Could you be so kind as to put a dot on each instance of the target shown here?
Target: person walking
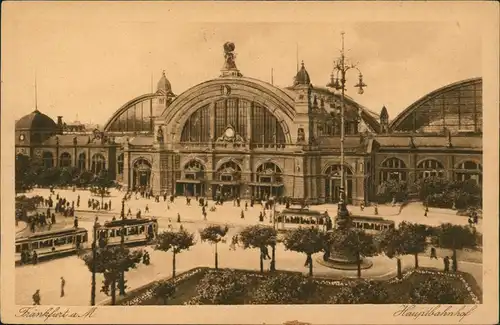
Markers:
(433, 253)
(446, 261)
(36, 297)
(63, 283)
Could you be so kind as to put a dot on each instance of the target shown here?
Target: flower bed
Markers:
(398, 290)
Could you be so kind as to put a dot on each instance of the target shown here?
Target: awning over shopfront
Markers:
(232, 183)
(266, 184)
(189, 181)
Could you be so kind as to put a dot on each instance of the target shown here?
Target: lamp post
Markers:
(122, 243)
(94, 256)
(338, 83)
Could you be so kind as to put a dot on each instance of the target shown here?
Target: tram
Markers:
(52, 243)
(136, 231)
(301, 217)
(372, 225)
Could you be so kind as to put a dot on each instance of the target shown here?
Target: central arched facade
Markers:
(236, 110)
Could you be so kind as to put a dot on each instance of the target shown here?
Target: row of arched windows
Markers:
(395, 169)
(97, 163)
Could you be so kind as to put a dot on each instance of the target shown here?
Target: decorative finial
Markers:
(302, 64)
(36, 96)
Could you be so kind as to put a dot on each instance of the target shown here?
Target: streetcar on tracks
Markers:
(135, 231)
(306, 217)
(51, 244)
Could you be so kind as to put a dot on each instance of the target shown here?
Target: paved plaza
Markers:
(46, 275)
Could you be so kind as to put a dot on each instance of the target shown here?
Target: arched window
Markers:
(65, 160)
(48, 159)
(269, 172)
(98, 163)
(119, 164)
(194, 170)
(229, 171)
(469, 170)
(393, 169)
(430, 168)
(82, 161)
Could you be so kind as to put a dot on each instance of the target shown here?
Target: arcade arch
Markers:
(98, 163)
(333, 183)
(392, 169)
(141, 174)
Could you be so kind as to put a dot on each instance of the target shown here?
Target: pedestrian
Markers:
(35, 258)
(362, 206)
(426, 210)
(433, 253)
(178, 217)
(446, 261)
(36, 297)
(63, 283)
(75, 223)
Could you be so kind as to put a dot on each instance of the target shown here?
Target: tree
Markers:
(305, 240)
(260, 237)
(214, 235)
(85, 178)
(363, 292)
(102, 184)
(392, 190)
(391, 243)
(436, 290)
(455, 237)
(414, 237)
(226, 287)
(355, 242)
(164, 290)
(284, 289)
(111, 261)
(24, 179)
(67, 175)
(176, 242)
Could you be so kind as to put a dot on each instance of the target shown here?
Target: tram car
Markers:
(136, 231)
(302, 217)
(51, 244)
(372, 225)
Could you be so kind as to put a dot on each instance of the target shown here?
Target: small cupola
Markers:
(302, 77)
(163, 84)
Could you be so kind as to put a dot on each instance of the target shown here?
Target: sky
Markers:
(89, 63)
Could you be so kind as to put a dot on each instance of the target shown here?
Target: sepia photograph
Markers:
(157, 157)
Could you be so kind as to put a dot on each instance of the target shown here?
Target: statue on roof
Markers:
(229, 55)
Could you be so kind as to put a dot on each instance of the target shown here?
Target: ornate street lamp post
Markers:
(338, 82)
(122, 243)
(94, 256)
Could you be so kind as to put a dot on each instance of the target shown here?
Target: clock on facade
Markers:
(229, 133)
(21, 137)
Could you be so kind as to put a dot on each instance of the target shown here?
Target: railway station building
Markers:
(245, 137)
